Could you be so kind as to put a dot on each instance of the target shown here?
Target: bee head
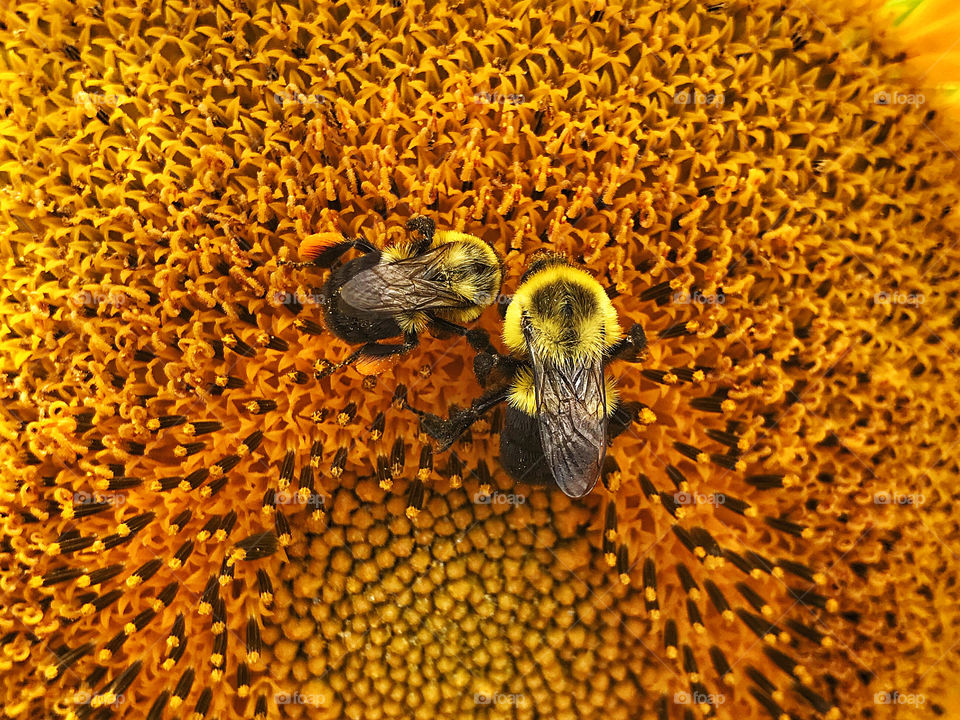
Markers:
(561, 313)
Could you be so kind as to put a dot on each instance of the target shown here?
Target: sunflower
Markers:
(199, 521)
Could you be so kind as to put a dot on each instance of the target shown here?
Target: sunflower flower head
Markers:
(198, 519)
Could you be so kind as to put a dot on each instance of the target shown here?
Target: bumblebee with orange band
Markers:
(438, 280)
(562, 331)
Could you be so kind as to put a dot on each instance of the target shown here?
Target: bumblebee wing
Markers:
(571, 401)
(404, 285)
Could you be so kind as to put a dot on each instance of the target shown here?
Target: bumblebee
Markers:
(438, 280)
(562, 331)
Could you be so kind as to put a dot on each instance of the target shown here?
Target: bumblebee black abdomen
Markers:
(521, 450)
(346, 322)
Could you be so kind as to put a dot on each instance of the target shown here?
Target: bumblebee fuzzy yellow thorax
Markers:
(475, 274)
(567, 311)
(469, 267)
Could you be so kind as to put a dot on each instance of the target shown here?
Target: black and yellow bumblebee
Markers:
(438, 280)
(562, 331)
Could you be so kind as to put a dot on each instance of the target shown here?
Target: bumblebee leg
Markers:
(485, 359)
(479, 340)
(379, 350)
(630, 347)
(490, 366)
(447, 327)
(426, 227)
(494, 367)
(445, 431)
(488, 361)
(483, 364)
(370, 354)
(622, 417)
